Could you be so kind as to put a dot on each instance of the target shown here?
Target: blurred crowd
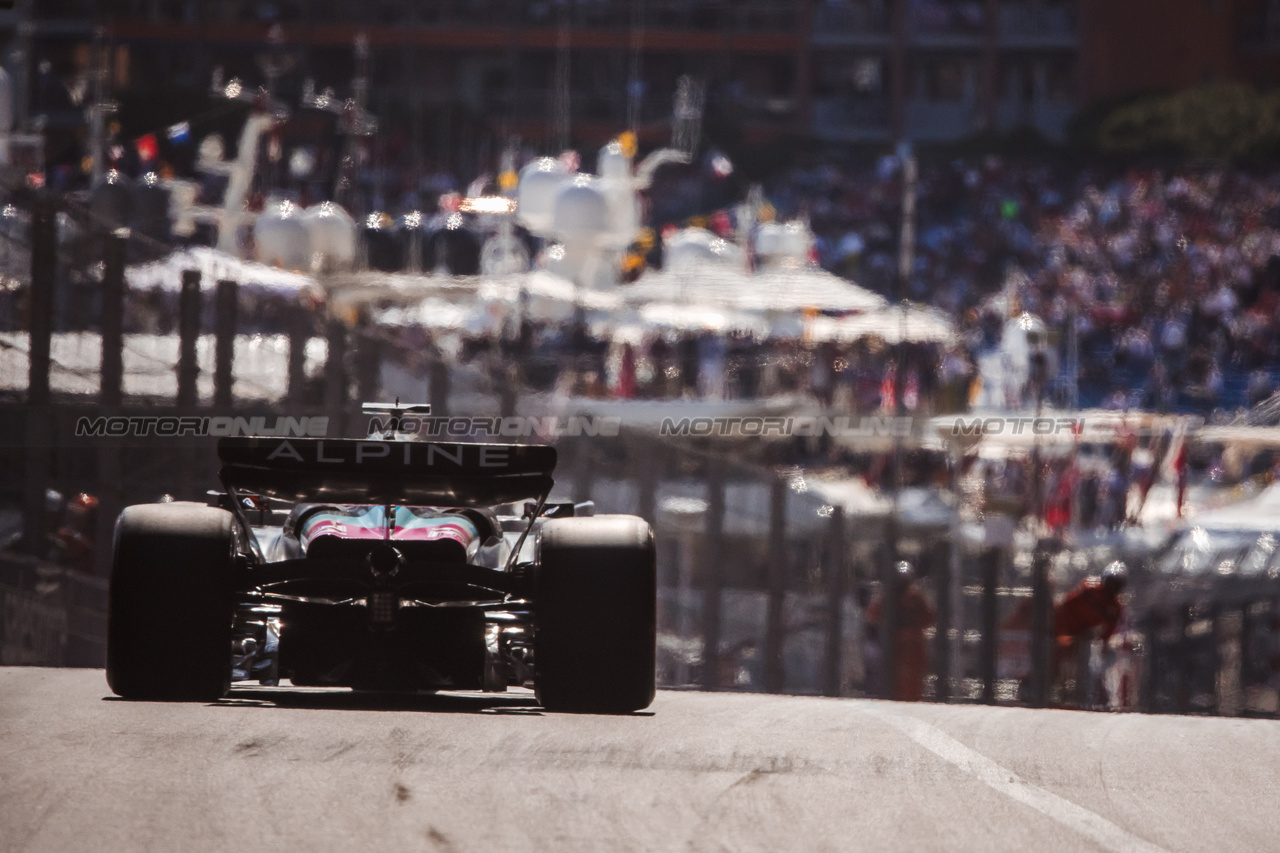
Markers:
(857, 377)
(1169, 277)
(1160, 289)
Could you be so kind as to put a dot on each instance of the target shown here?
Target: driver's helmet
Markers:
(1115, 577)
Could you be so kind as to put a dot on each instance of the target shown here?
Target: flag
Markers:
(1174, 461)
(911, 394)
(147, 147)
(721, 224)
(1174, 465)
(888, 386)
(180, 133)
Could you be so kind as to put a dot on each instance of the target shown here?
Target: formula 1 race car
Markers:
(384, 564)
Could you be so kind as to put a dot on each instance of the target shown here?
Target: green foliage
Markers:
(1227, 121)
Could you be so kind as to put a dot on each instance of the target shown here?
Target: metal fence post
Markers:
(1152, 661)
(300, 329)
(650, 470)
(1184, 678)
(335, 374)
(584, 471)
(1217, 629)
(111, 393)
(941, 573)
(508, 381)
(1042, 639)
(225, 342)
(368, 364)
(111, 381)
(40, 330)
(188, 335)
(887, 630)
(774, 632)
(834, 575)
(44, 267)
(439, 386)
(1247, 620)
(713, 574)
(109, 494)
(990, 623)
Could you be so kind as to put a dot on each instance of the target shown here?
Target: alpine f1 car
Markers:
(384, 564)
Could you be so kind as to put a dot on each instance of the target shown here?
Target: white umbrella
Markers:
(698, 317)
(893, 325)
(547, 293)
(213, 265)
(431, 313)
(774, 290)
(783, 289)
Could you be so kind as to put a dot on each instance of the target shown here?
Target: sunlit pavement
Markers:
(333, 770)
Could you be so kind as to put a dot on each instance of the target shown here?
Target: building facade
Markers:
(839, 71)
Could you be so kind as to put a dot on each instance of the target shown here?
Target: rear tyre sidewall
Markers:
(595, 615)
(170, 609)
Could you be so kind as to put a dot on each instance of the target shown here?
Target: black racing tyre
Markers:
(595, 615)
(170, 610)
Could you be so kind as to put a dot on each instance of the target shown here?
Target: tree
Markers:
(1227, 121)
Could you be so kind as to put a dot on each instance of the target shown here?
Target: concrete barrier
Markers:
(51, 615)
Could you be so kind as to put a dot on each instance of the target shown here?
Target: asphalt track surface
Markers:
(281, 769)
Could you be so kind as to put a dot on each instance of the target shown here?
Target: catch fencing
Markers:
(764, 584)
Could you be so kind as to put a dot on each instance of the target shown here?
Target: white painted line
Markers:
(1090, 824)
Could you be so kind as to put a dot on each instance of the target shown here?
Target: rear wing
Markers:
(374, 471)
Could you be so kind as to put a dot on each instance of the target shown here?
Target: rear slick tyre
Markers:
(170, 610)
(595, 615)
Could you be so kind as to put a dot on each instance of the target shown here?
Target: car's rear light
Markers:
(383, 604)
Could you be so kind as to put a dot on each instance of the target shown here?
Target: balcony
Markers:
(855, 23)
(759, 16)
(54, 18)
(1050, 118)
(748, 16)
(960, 24)
(760, 109)
(57, 10)
(837, 119)
(940, 121)
(1035, 25)
(540, 106)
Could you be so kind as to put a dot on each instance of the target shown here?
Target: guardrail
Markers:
(854, 117)
(708, 15)
(1036, 23)
(51, 615)
(851, 18)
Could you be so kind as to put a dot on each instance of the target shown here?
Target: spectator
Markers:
(1092, 606)
(910, 648)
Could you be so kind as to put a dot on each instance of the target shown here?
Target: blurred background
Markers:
(954, 212)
